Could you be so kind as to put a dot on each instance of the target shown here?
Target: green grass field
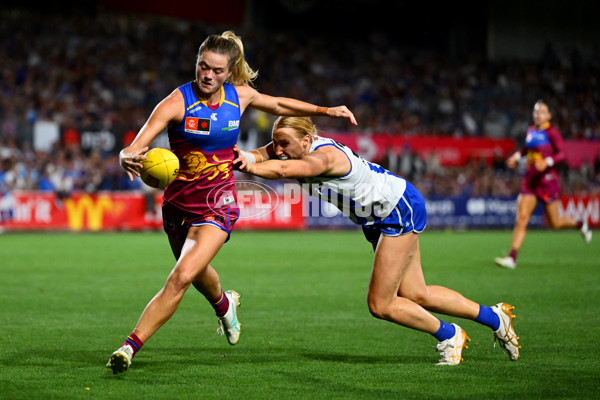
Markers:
(68, 300)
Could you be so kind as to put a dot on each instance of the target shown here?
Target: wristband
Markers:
(322, 110)
(249, 156)
(549, 161)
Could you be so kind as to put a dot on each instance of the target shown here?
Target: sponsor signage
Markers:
(261, 207)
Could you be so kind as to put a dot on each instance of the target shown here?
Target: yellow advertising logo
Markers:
(85, 206)
(197, 165)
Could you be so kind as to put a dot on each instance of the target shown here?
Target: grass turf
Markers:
(68, 300)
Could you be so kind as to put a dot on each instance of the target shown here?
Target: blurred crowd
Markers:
(480, 178)
(62, 170)
(106, 72)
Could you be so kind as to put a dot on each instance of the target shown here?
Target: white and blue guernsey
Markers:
(369, 194)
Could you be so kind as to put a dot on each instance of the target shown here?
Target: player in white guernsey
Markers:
(366, 194)
(392, 213)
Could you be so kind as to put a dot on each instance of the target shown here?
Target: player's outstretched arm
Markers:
(310, 165)
(285, 106)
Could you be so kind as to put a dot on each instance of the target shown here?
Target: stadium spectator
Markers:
(71, 138)
(543, 150)
(428, 94)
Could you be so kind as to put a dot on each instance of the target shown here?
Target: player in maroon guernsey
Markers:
(202, 118)
(544, 148)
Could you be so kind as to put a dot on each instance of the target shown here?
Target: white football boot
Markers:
(120, 360)
(229, 324)
(506, 334)
(506, 262)
(451, 349)
(586, 232)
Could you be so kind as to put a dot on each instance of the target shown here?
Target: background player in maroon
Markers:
(544, 148)
(202, 118)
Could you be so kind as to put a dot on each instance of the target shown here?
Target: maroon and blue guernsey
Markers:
(203, 142)
(545, 143)
(540, 144)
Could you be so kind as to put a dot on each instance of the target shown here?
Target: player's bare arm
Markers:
(310, 165)
(259, 155)
(511, 162)
(285, 106)
(169, 110)
(541, 165)
(560, 152)
(326, 161)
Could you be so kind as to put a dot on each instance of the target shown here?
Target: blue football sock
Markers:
(488, 317)
(446, 331)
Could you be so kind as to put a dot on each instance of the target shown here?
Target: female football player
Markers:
(392, 214)
(202, 118)
(544, 148)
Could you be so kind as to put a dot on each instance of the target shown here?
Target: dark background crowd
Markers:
(99, 71)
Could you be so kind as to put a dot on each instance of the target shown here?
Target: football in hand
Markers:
(159, 168)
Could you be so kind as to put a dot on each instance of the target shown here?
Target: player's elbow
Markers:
(273, 174)
(285, 171)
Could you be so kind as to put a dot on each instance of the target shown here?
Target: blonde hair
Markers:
(302, 125)
(231, 45)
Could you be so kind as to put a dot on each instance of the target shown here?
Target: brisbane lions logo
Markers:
(197, 165)
(533, 156)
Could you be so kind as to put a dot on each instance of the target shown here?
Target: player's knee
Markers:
(378, 308)
(522, 220)
(376, 312)
(553, 225)
(180, 281)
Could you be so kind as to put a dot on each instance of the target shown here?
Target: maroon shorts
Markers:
(545, 187)
(177, 222)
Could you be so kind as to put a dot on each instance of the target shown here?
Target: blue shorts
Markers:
(177, 222)
(409, 215)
